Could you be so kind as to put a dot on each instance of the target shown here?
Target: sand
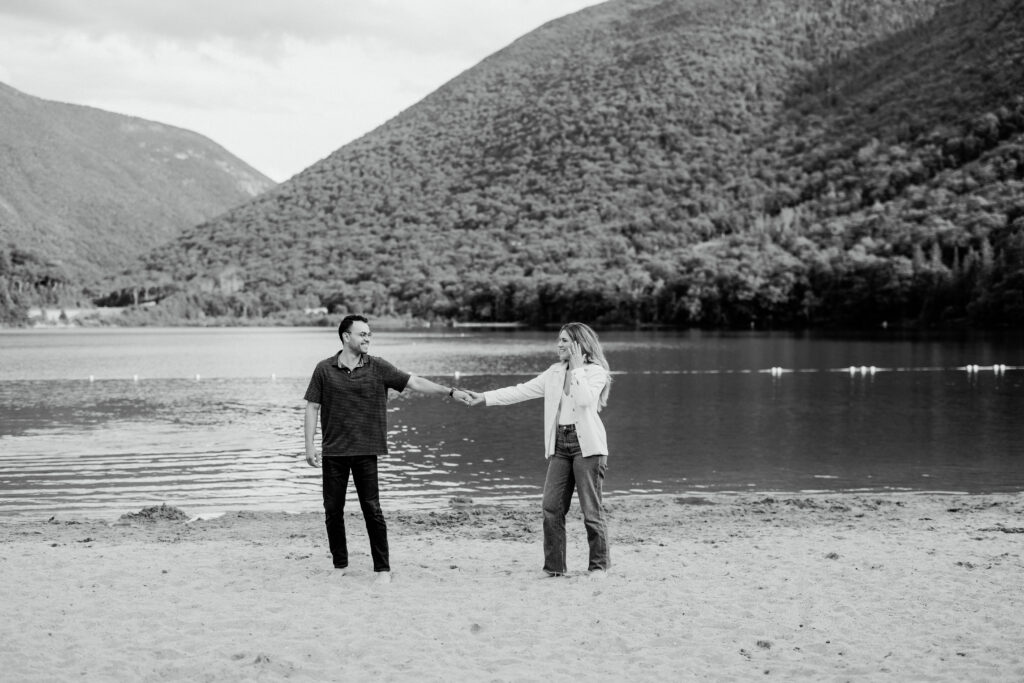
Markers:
(825, 587)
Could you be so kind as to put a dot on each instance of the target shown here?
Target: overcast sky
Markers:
(279, 83)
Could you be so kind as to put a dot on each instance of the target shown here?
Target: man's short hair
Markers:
(346, 323)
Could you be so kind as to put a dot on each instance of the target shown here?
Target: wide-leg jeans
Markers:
(569, 470)
(335, 471)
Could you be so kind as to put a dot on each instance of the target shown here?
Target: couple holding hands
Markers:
(347, 395)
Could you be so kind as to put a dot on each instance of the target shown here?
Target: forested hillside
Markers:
(682, 162)
(84, 193)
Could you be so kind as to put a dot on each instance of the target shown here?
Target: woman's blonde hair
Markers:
(590, 345)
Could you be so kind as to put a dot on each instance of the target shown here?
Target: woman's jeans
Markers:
(336, 469)
(568, 469)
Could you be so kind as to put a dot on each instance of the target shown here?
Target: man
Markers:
(349, 392)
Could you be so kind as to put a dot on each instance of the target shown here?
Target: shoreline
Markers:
(413, 504)
(895, 586)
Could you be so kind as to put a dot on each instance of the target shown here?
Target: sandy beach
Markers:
(824, 587)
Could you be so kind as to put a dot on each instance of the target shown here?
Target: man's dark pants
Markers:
(336, 469)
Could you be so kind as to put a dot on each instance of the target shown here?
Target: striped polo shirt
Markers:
(353, 403)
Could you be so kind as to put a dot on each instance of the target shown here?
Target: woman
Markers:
(575, 389)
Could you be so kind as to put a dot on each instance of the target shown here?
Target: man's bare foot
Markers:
(598, 574)
(382, 578)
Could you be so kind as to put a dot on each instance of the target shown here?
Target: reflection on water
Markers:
(688, 412)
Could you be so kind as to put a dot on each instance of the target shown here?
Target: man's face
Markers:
(357, 339)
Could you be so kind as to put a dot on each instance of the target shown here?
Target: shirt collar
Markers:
(359, 364)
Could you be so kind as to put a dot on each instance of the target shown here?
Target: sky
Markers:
(278, 83)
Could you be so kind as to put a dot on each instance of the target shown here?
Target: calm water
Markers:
(105, 422)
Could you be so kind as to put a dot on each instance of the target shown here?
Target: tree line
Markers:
(794, 163)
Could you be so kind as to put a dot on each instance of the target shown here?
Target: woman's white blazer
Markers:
(585, 386)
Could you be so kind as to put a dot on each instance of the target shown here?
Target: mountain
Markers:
(685, 162)
(84, 192)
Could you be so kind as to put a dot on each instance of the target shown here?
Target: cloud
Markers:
(280, 83)
(188, 21)
(439, 25)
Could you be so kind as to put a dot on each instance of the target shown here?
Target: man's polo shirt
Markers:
(353, 404)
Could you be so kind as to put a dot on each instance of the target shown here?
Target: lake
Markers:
(100, 422)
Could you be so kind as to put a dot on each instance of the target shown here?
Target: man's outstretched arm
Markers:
(427, 387)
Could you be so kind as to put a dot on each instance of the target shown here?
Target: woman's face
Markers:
(564, 342)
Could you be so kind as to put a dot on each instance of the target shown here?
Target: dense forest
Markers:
(721, 163)
(85, 192)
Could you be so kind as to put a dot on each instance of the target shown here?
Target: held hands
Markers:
(470, 398)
